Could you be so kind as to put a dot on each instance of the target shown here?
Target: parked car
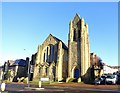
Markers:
(97, 81)
(111, 79)
(100, 80)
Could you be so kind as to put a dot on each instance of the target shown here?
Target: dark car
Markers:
(100, 80)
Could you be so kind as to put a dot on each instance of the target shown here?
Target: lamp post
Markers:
(28, 69)
(28, 72)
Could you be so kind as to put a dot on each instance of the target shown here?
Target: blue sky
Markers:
(26, 25)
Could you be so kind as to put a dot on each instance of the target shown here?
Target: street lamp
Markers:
(28, 72)
(28, 68)
(27, 61)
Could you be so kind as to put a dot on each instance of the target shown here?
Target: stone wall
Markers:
(53, 48)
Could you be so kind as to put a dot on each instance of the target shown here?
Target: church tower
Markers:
(79, 49)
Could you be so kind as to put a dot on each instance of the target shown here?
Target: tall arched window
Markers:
(51, 52)
(47, 55)
(44, 58)
(74, 35)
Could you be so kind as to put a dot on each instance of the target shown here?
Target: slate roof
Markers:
(20, 62)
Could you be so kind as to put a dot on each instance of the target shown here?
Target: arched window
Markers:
(74, 35)
(47, 55)
(52, 52)
(46, 71)
(44, 58)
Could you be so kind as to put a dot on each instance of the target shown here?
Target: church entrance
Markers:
(76, 73)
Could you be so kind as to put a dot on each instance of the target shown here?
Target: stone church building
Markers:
(60, 62)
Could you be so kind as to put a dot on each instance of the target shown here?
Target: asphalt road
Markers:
(21, 88)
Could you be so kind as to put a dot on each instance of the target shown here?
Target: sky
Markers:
(26, 25)
(60, 0)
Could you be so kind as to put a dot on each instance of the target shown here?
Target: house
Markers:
(107, 69)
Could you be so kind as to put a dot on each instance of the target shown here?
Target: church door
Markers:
(76, 73)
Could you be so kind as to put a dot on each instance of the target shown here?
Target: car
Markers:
(100, 80)
(111, 79)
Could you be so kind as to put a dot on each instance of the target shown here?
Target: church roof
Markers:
(57, 39)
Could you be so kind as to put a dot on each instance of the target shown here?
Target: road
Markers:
(22, 88)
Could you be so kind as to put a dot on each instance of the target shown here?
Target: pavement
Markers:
(61, 88)
(72, 85)
(87, 86)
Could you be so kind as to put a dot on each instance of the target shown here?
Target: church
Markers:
(60, 62)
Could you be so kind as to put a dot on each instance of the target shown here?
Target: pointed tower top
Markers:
(76, 18)
(50, 34)
(77, 15)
